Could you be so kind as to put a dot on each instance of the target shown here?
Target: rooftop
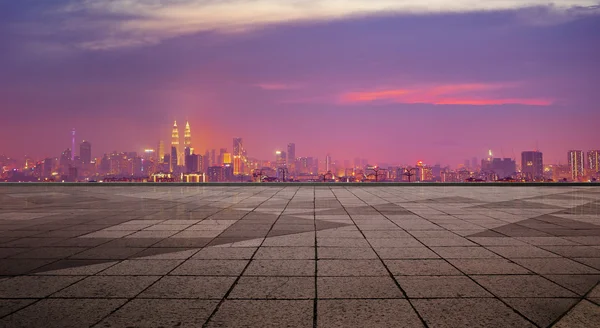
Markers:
(299, 256)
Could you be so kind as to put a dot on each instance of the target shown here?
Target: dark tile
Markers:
(189, 287)
(161, 313)
(281, 268)
(142, 267)
(274, 288)
(488, 266)
(542, 311)
(210, 268)
(440, 287)
(62, 313)
(8, 306)
(351, 268)
(366, 313)
(522, 286)
(432, 267)
(108, 287)
(264, 313)
(34, 286)
(471, 312)
(357, 287)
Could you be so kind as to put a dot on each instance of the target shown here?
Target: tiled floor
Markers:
(285, 256)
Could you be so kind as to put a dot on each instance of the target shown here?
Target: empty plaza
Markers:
(299, 256)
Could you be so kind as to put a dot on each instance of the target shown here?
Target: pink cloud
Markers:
(451, 94)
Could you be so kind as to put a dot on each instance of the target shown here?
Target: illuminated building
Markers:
(593, 161)
(193, 163)
(238, 156)
(327, 163)
(73, 145)
(498, 168)
(280, 159)
(174, 147)
(215, 174)
(85, 152)
(187, 136)
(161, 151)
(291, 158)
(576, 164)
(532, 165)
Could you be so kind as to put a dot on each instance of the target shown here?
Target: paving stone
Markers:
(366, 313)
(522, 286)
(357, 287)
(397, 253)
(141, 267)
(350, 268)
(285, 253)
(555, 266)
(488, 266)
(198, 287)
(161, 313)
(8, 306)
(584, 314)
(107, 287)
(464, 252)
(210, 268)
(62, 313)
(281, 268)
(542, 311)
(468, 312)
(338, 253)
(440, 287)
(74, 267)
(579, 284)
(34, 286)
(421, 267)
(274, 288)
(264, 313)
(513, 252)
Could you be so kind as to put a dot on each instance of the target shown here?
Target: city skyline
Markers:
(349, 82)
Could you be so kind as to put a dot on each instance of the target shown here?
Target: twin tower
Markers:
(177, 156)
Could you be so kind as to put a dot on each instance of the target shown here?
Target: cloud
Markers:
(477, 94)
(137, 22)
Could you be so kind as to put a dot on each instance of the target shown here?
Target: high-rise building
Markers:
(593, 161)
(173, 158)
(161, 151)
(187, 137)
(280, 159)
(85, 152)
(328, 163)
(73, 145)
(532, 165)
(174, 146)
(576, 164)
(238, 154)
(291, 152)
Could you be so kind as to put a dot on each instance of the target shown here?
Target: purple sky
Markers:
(374, 79)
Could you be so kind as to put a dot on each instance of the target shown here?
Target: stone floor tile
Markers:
(107, 287)
(161, 313)
(281, 268)
(488, 266)
(285, 253)
(455, 241)
(342, 242)
(399, 253)
(210, 268)
(522, 286)
(584, 314)
(225, 253)
(574, 251)
(107, 253)
(555, 266)
(542, 311)
(74, 267)
(394, 242)
(513, 252)
(350, 268)
(468, 313)
(464, 252)
(8, 306)
(433, 267)
(357, 287)
(366, 313)
(249, 287)
(440, 287)
(141, 267)
(62, 313)
(264, 313)
(34, 286)
(198, 287)
(338, 253)
(579, 284)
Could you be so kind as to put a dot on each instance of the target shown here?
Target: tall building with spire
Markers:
(187, 138)
(175, 147)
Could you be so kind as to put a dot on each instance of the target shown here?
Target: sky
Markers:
(393, 81)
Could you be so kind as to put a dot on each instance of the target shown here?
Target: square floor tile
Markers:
(281, 268)
(274, 288)
(440, 287)
(432, 267)
(210, 268)
(199, 287)
(357, 287)
(264, 313)
(351, 268)
(366, 313)
(108, 287)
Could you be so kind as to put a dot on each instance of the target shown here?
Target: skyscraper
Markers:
(532, 165)
(238, 149)
(174, 146)
(576, 164)
(291, 159)
(593, 161)
(73, 145)
(85, 152)
(161, 151)
(187, 138)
